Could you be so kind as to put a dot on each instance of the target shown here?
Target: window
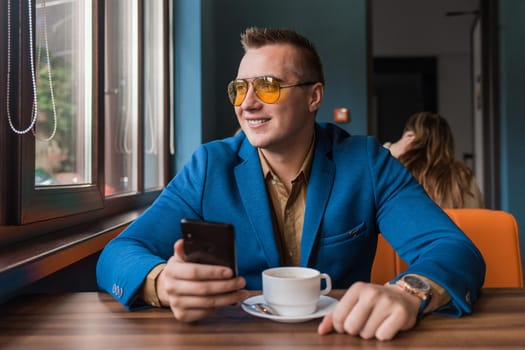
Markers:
(155, 89)
(121, 91)
(84, 115)
(63, 63)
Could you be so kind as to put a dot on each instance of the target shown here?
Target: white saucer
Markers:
(325, 305)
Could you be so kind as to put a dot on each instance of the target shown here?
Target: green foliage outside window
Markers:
(63, 88)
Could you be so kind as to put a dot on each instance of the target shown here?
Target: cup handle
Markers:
(328, 282)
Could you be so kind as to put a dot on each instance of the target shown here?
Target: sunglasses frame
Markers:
(232, 94)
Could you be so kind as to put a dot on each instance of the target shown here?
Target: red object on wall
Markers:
(341, 115)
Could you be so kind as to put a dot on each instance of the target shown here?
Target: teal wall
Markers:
(208, 52)
(512, 111)
(187, 86)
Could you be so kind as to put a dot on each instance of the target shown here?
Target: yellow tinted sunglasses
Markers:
(267, 89)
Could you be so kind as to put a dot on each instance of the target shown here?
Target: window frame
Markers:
(27, 211)
(43, 203)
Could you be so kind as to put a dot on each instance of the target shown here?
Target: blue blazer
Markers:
(356, 190)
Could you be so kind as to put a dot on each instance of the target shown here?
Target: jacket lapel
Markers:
(255, 200)
(319, 189)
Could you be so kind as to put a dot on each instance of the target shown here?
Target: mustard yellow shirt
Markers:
(288, 208)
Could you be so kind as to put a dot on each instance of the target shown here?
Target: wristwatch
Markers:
(417, 286)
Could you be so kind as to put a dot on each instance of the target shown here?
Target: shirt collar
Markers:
(305, 167)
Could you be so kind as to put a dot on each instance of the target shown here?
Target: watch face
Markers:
(416, 283)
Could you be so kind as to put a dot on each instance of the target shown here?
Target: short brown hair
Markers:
(253, 38)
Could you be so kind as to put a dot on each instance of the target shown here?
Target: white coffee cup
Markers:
(294, 291)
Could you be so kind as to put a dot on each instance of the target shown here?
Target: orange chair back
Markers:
(384, 266)
(494, 232)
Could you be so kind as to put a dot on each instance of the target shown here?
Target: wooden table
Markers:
(97, 321)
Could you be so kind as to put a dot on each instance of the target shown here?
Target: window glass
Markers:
(154, 79)
(121, 96)
(62, 61)
(101, 102)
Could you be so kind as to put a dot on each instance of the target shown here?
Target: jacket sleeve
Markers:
(422, 233)
(126, 260)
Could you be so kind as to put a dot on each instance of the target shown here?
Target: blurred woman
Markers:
(427, 150)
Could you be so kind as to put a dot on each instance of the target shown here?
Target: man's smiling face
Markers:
(291, 119)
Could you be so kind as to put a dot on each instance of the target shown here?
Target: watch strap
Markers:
(424, 295)
(424, 303)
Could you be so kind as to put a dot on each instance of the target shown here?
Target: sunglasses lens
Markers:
(237, 90)
(267, 89)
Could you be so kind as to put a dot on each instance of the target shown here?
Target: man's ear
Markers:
(316, 97)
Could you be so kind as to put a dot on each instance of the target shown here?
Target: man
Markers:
(297, 193)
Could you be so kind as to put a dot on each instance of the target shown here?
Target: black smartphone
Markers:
(211, 243)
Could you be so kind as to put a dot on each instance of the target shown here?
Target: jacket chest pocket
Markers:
(343, 237)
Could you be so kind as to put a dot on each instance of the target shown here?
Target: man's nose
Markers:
(250, 97)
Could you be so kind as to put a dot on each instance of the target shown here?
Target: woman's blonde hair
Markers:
(430, 158)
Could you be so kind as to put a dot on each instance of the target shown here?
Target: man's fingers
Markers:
(326, 326)
(387, 329)
(178, 250)
(189, 308)
(193, 271)
(190, 315)
(180, 270)
(207, 301)
(374, 320)
(206, 287)
(345, 306)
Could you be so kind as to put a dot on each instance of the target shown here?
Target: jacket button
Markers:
(468, 298)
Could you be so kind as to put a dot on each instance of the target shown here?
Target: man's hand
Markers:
(193, 291)
(371, 310)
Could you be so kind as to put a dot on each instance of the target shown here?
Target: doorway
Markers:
(403, 86)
